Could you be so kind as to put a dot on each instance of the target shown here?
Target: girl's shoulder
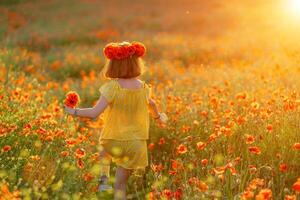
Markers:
(111, 82)
(109, 85)
(108, 90)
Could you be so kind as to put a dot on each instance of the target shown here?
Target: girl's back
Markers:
(127, 116)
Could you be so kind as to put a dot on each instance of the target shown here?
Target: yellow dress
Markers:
(126, 126)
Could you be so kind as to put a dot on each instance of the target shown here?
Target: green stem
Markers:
(62, 119)
(7, 74)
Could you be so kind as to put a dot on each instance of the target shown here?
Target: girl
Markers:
(125, 99)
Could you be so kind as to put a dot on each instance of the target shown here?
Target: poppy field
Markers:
(226, 74)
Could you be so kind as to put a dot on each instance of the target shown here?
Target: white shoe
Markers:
(104, 187)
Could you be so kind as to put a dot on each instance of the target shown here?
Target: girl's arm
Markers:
(161, 118)
(153, 108)
(93, 112)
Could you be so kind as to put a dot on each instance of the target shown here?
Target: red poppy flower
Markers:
(72, 99)
(296, 186)
(172, 172)
(140, 49)
(87, 176)
(201, 145)
(79, 153)
(249, 139)
(64, 153)
(296, 146)
(269, 128)
(151, 146)
(109, 51)
(204, 113)
(6, 148)
(176, 164)
(204, 162)
(41, 131)
(167, 193)
(130, 50)
(162, 141)
(118, 53)
(254, 150)
(80, 163)
(283, 167)
(70, 142)
(125, 52)
(181, 149)
(264, 194)
(178, 194)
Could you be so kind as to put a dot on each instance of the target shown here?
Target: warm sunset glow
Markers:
(293, 8)
(219, 78)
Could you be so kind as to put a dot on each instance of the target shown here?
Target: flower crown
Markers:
(124, 50)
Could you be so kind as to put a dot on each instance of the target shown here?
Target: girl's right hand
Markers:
(163, 118)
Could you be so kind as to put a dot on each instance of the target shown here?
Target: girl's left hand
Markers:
(69, 110)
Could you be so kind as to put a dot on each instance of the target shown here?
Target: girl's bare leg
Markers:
(105, 160)
(121, 178)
